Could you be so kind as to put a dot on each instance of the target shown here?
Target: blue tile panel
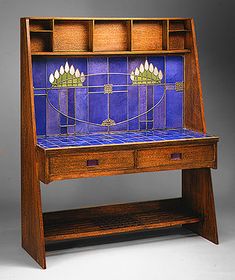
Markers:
(82, 109)
(117, 138)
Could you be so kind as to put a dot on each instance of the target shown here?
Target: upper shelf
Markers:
(97, 53)
(90, 37)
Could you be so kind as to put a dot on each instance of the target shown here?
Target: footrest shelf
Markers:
(114, 219)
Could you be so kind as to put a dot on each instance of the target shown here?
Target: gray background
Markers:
(214, 22)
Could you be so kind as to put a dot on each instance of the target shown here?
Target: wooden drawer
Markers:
(88, 162)
(61, 164)
(177, 157)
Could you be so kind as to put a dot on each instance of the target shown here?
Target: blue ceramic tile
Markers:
(71, 106)
(40, 112)
(63, 107)
(133, 108)
(97, 89)
(118, 107)
(118, 65)
(150, 125)
(143, 125)
(159, 113)
(93, 107)
(39, 92)
(81, 110)
(53, 117)
(99, 67)
(142, 102)
(98, 110)
(119, 88)
(174, 69)
(39, 72)
(63, 130)
(150, 103)
(174, 109)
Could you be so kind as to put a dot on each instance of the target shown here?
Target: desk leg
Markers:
(197, 193)
(31, 219)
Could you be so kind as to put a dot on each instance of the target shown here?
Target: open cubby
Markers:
(104, 97)
(176, 41)
(111, 35)
(41, 41)
(73, 35)
(41, 25)
(178, 32)
(177, 25)
(147, 35)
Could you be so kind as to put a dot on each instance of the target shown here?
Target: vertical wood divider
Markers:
(165, 35)
(130, 37)
(91, 35)
(53, 35)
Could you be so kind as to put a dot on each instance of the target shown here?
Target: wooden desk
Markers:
(103, 97)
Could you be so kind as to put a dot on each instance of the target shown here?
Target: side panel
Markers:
(31, 210)
(193, 104)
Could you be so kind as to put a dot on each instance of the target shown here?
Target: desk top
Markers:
(118, 138)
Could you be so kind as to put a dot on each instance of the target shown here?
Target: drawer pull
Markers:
(92, 162)
(176, 156)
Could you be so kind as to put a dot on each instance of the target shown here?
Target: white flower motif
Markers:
(141, 68)
(72, 70)
(51, 78)
(151, 67)
(82, 77)
(66, 67)
(146, 65)
(61, 70)
(137, 72)
(160, 75)
(57, 74)
(155, 71)
(132, 76)
(77, 73)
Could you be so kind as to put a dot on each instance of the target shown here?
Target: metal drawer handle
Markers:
(176, 156)
(92, 162)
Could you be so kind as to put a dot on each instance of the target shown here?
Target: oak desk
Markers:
(114, 96)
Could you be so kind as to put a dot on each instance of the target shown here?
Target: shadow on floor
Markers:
(12, 255)
(119, 240)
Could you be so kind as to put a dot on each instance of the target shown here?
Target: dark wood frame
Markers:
(194, 210)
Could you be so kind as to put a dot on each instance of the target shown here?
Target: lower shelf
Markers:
(116, 219)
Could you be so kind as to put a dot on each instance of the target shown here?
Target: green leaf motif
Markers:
(146, 74)
(67, 77)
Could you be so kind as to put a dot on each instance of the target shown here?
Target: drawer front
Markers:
(91, 162)
(177, 157)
